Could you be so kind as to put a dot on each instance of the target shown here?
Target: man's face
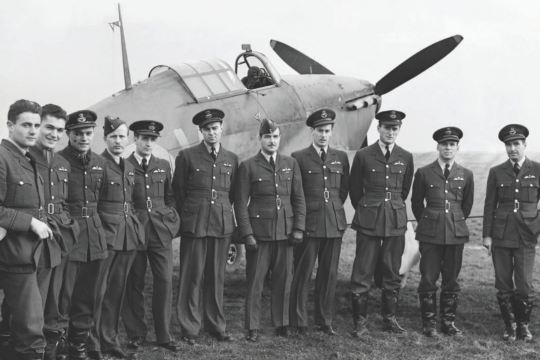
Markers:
(25, 130)
(117, 140)
(144, 144)
(212, 133)
(51, 131)
(321, 135)
(448, 150)
(81, 139)
(515, 149)
(270, 142)
(388, 133)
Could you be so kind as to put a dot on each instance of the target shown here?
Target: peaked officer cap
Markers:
(513, 132)
(208, 116)
(449, 133)
(390, 117)
(81, 119)
(146, 127)
(321, 117)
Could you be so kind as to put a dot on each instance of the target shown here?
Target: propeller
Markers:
(301, 63)
(410, 68)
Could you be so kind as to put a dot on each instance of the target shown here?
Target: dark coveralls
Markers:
(156, 210)
(204, 191)
(276, 208)
(124, 234)
(326, 186)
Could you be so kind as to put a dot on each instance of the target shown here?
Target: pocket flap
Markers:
(505, 183)
(530, 214)
(97, 221)
(265, 213)
(110, 219)
(19, 180)
(165, 211)
(225, 170)
(310, 171)
(457, 185)
(433, 215)
(396, 205)
(529, 183)
(397, 169)
(336, 170)
(158, 178)
(338, 205)
(259, 179)
(283, 176)
(62, 176)
(366, 202)
(501, 213)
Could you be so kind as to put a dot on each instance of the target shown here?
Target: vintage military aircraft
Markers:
(173, 94)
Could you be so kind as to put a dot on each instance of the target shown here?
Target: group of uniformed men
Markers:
(82, 226)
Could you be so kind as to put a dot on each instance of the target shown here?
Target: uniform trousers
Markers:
(327, 251)
(202, 263)
(161, 263)
(514, 271)
(278, 257)
(23, 303)
(368, 251)
(104, 336)
(54, 319)
(440, 259)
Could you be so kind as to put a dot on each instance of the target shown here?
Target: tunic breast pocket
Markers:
(262, 185)
(114, 191)
(457, 189)
(225, 177)
(375, 176)
(504, 190)
(62, 185)
(311, 179)
(335, 176)
(19, 188)
(434, 192)
(529, 187)
(95, 184)
(158, 182)
(198, 178)
(285, 181)
(397, 174)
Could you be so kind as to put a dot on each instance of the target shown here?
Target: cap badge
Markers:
(81, 118)
(512, 131)
(393, 115)
(208, 114)
(324, 115)
(448, 131)
(151, 127)
(112, 126)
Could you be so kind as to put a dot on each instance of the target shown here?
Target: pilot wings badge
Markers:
(63, 169)
(158, 171)
(97, 168)
(286, 169)
(227, 164)
(399, 163)
(335, 163)
(131, 173)
(529, 177)
(459, 178)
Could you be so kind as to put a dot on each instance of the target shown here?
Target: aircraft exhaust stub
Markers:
(362, 102)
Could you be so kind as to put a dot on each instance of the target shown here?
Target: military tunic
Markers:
(204, 190)
(378, 189)
(276, 207)
(511, 219)
(442, 230)
(326, 186)
(124, 235)
(156, 209)
(86, 260)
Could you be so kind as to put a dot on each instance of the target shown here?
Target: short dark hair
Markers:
(22, 106)
(54, 111)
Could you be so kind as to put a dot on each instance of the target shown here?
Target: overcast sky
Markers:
(63, 52)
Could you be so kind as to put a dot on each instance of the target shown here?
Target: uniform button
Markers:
(446, 211)
(277, 195)
(51, 183)
(52, 197)
(275, 174)
(86, 187)
(277, 185)
(373, 169)
(517, 180)
(387, 166)
(325, 189)
(87, 201)
(517, 190)
(112, 183)
(214, 165)
(459, 187)
(126, 215)
(146, 175)
(326, 200)
(211, 202)
(531, 185)
(51, 170)
(125, 190)
(149, 198)
(309, 172)
(445, 191)
(446, 182)
(85, 173)
(197, 169)
(387, 176)
(400, 171)
(213, 177)
(385, 199)
(260, 179)
(149, 210)
(515, 210)
(148, 186)
(257, 215)
(386, 188)
(325, 178)
(431, 185)
(324, 167)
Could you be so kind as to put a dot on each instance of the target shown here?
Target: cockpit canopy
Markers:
(258, 71)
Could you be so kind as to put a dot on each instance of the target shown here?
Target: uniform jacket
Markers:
(204, 191)
(276, 198)
(123, 230)
(85, 184)
(326, 186)
(448, 204)
(55, 184)
(510, 210)
(154, 199)
(21, 199)
(378, 190)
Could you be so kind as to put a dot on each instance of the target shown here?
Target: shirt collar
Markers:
(139, 158)
(23, 151)
(443, 165)
(318, 149)
(267, 157)
(519, 162)
(115, 157)
(383, 147)
(209, 148)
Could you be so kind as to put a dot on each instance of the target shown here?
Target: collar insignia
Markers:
(81, 118)
(399, 163)
(335, 162)
(62, 169)
(97, 168)
(512, 131)
(529, 177)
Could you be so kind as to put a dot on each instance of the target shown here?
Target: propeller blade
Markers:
(416, 64)
(299, 62)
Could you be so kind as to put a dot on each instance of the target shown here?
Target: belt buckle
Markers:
(126, 207)
(446, 205)
(50, 208)
(278, 202)
(149, 204)
(326, 194)
(388, 196)
(214, 194)
(84, 212)
(516, 205)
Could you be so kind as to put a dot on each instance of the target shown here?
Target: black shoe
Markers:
(135, 342)
(96, 355)
(327, 329)
(171, 346)
(282, 331)
(118, 353)
(253, 335)
(190, 339)
(302, 330)
(221, 336)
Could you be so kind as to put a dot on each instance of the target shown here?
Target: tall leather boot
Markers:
(523, 318)
(359, 309)
(449, 303)
(77, 344)
(62, 348)
(428, 308)
(507, 312)
(388, 311)
(52, 338)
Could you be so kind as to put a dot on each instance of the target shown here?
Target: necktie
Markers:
(387, 155)
(517, 168)
(213, 153)
(144, 164)
(323, 155)
(446, 171)
(121, 164)
(31, 159)
(272, 162)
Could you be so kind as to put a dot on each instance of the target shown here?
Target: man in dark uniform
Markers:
(54, 170)
(204, 185)
(381, 178)
(511, 228)
(87, 258)
(325, 179)
(448, 189)
(22, 215)
(156, 210)
(123, 233)
(256, 78)
(273, 222)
